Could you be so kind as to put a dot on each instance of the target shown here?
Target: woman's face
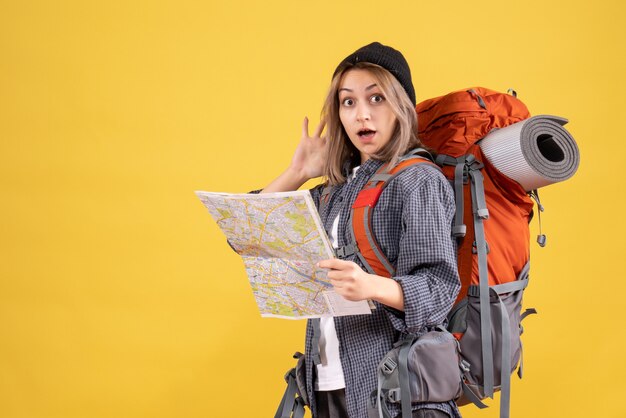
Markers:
(364, 112)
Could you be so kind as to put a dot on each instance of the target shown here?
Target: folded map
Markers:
(280, 239)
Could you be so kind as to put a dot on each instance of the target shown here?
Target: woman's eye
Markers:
(347, 102)
(377, 98)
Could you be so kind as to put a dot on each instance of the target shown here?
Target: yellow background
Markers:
(118, 294)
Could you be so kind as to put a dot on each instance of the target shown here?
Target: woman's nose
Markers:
(362, 114)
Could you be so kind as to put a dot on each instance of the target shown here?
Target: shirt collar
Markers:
(369, 167)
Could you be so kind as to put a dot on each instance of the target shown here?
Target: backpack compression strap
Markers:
(364, 244)
(292, 403)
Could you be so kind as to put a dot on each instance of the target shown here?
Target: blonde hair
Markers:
(341, 153)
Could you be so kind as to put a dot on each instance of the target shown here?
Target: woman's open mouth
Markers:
(366, 135)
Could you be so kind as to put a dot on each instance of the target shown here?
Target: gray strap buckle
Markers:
(346, 251)
(388, 366)
(393, 395)
(473, 164)
(465, 366)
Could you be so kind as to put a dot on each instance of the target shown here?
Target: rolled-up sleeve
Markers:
(426, 267)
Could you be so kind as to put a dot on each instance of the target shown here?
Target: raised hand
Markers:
(310, 154)
(307, 161)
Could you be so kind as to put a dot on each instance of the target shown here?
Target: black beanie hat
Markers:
(388, 58)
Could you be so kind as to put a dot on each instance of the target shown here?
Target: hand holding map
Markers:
(281, 239)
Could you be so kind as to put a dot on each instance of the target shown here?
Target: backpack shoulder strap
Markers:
(364, 242)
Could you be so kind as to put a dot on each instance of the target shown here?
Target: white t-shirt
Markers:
(329, 371)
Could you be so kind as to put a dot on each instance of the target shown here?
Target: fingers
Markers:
(349, 280)
(337, 284)
(340, 270)
(319, 129)
(335, 264)
(305, 127)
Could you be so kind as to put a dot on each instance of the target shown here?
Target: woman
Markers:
(371, 121)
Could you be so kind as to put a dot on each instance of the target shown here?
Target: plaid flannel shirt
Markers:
(412, 223)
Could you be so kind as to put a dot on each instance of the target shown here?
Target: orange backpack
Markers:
(451, 125)
(491, 226)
